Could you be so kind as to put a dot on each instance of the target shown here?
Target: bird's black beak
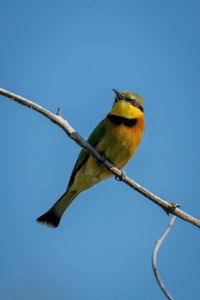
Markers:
(119, 96)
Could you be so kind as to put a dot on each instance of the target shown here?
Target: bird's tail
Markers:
(52, 217)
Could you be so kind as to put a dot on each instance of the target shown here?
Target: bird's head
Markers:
(128, 104)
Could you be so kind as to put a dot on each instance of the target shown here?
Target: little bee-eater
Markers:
(116, 137)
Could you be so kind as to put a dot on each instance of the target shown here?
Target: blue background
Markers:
(71, 54)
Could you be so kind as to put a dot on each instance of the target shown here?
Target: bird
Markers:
(116, 138)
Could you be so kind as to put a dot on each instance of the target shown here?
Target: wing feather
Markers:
(94, 138)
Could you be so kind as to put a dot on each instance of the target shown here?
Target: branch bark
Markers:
(154, 258)
(169, 207)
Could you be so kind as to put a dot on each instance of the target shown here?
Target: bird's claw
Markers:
(121, 177)
(103, 157)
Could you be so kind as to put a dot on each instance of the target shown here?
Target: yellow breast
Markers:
(118, 144)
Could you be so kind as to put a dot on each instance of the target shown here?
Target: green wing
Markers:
(94, 138)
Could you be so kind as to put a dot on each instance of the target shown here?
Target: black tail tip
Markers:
(50, 218)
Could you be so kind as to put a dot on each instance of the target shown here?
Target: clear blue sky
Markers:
(71, 54)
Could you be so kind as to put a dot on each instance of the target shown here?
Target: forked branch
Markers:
(57, 119)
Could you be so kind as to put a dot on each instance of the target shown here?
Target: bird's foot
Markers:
(121, 177)
(103, 157)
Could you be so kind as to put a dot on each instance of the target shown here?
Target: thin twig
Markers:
(169, 207)
(154, 257)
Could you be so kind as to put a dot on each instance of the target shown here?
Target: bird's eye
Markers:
(134, 101)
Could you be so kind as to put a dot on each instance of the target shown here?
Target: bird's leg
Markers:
(118, 178)
(103, 157)
(121, 177)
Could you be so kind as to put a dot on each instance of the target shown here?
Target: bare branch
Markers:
(57, 119)
(154, 256)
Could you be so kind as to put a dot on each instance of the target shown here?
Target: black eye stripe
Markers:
(130, 101)
(141, 108)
